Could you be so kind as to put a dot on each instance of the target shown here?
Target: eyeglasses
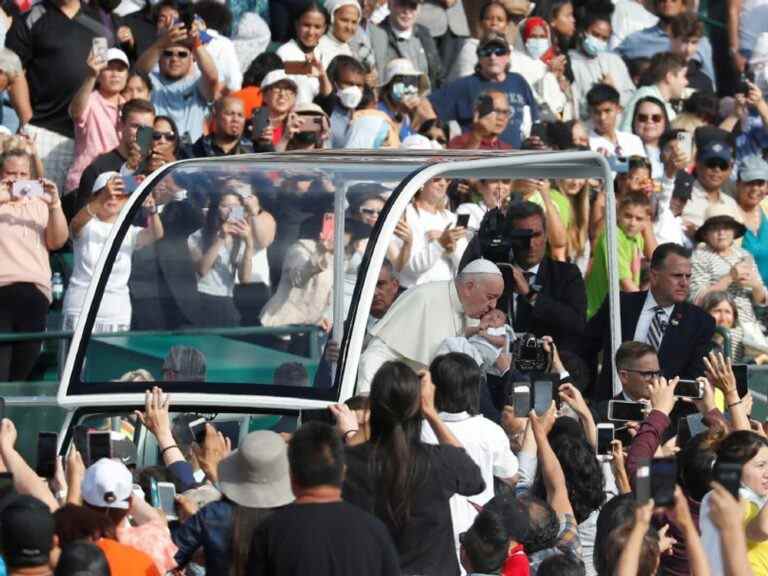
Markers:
(655, 118)
(370, 212)
(502, 111)
(718, 163)
(167, 136)
(644, 374)
(181, 54)
(488, 51)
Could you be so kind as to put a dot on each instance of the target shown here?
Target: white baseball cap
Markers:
(108, 484)
(117, 54)
(102, 179)
(275, 77)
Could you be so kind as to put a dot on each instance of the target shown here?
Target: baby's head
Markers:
(495, 318)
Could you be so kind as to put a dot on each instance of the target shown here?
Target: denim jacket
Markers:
(211, 529)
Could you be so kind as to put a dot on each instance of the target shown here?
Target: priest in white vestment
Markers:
(425, 315)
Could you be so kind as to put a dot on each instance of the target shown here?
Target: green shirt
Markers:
(561, 202)
(630, 250)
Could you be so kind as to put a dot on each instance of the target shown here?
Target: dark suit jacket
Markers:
(560, 310)
(686, 340)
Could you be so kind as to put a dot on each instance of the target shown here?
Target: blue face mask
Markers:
(401, 90)
(593, 46)
(537, 47)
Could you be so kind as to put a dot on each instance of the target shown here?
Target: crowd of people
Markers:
(435, 468)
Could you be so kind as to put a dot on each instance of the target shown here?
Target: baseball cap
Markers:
(107, 484)
(275, 77)
(753, 168)
(102, 179)
(27, 529)
(715, 149)
(117, 54)
(493, 39)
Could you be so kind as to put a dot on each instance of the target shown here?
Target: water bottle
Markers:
(57, 286)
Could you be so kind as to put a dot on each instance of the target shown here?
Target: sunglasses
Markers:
(655, 118)
(489, 51)
(718, 163)
(167, 136)
(181, 55)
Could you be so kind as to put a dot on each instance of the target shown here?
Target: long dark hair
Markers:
(398, 458)
(213, 224)
(655, 101)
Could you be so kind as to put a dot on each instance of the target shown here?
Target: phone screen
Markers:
(643, 482)
(100, 48)
(326, 232)
(198, 430)
(741, 371)
(154, 493)
(311, 123)
(522, 400)
(236, 213)
(99, 446)
(80, 439)
(462, 220)
(259, 120)
(542, 396)
(663, 479)
(621, 411)
(166, 492)
(604, 439)
(729, 475)
(485, 106)
(46, 454)
(144, 136)
(689, 389)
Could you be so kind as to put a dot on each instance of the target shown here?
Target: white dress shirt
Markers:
(646, 317)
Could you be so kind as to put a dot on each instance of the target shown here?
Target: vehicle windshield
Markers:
(233, 278)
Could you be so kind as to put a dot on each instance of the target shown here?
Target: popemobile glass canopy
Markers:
(255, 308)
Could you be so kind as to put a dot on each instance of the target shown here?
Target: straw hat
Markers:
(720, 215)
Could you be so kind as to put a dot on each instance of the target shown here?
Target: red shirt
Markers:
(517, 563)
(465, 142)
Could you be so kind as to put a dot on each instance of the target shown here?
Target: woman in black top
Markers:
(405, 482)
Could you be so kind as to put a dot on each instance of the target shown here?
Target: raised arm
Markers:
(24, 478)
(56, 232)
(79, 103)
(149, 59)
(156, 418)
(208, 70)
(551, 471)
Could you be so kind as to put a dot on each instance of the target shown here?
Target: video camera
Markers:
(529, 355)
(498, 242)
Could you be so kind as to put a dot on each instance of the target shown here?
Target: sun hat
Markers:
(256, 474)
(720, 215)
(275, 77)
(108, 484)
(402, 67)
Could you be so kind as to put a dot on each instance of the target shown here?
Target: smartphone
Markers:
(622, 434)
(129, 184)
(298, 68)
(311, 123)
(326, 232)
(197, 428)
(729, 475)
(321, 415)
(166, 492)
(542, 396)
(521, 400)
(604, 439)
(696, 424)
(663, 481)
(485, 106)
(259, 120)
(154, 493)
(100, 47)
(27, 189)
(643, 481)
(741, 372)
(623, 411)
(462, 220)
(46, 454)
(187, 15)
(685, 141)
(236, 213)
(80, 440)
(689, 389)
(99, 446)
(144, 139)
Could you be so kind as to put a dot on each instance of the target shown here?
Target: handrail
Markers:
(6, 337)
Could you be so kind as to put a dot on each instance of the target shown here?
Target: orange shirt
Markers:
(126, 561)
(251, 97)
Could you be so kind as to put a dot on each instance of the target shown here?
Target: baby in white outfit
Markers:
(491, 340)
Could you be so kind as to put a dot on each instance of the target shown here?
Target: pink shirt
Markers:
(152, 538)
(23, 251)
(95, 134)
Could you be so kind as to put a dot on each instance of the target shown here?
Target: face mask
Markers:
(401, 90)
(593, 46)
(537, 47)
(350, 97)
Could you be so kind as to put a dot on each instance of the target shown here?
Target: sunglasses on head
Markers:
(488, 51)
(167, 136)
(718, 163)
(181, 54)
(656, 118)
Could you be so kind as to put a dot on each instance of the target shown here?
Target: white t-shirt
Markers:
(223, 53)
(220, 279)
(329, 47)
(308, 86)
(476, 211)
(115, 307)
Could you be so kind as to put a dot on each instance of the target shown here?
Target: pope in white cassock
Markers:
(421, 318)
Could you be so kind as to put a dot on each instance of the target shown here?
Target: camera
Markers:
(529, 355)
(497, 243)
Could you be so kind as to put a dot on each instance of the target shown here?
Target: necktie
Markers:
(658, 325)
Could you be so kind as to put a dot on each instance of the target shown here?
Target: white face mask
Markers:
(537, 47)
(350, 96)
(593, 45)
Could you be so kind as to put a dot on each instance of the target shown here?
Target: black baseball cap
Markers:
(27, 528)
